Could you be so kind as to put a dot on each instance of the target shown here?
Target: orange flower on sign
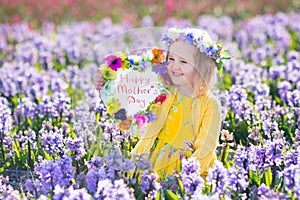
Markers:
(158, 56)
(125, 124)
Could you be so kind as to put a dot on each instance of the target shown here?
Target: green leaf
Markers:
(158, 196)
(254, 178)
(180, 186)
(268, 177)
(171, 195)
(2, 169)
(5, 166)
(29, 122)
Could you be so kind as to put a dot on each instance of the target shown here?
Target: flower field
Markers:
(57, 140)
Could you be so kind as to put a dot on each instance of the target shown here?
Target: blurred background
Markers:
(135, 12)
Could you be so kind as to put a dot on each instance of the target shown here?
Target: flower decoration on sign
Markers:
(202, 41)
(157, 56)
(153, 59)
(160, 99)
(114, 62)
(112, 69)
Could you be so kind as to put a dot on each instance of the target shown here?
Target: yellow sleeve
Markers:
(207, 137)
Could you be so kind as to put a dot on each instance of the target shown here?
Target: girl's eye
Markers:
(171, 59)
(183, 61)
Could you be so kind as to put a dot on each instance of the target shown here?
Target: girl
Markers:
(188, 121)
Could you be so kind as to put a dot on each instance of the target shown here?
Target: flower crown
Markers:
(201, 40)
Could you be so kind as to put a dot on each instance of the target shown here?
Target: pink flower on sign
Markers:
(114, 62)
(140, 119)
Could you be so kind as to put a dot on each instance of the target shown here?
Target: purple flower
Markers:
(293, 98)
(141, 162)
(274, 152)
(58, 85)
(190, 166)
(27, 108)
(254, 134)
(293, 55)
(161, 68)
(239, 103)
(150, 116)
(118, 162)
(237, 93)
(261, 90)
(70, 193)
(283, 88)
(7, 191)
(5, 117)
(113, 190)
(95, 162)
(94, 176)
(76, 145)
(277, 72)
(297, 136)
(190, 176)
(237, 180)
(52, 139)
(210, 51)
(167, 39)
(149, 184)
(219, 28)
(291, 158)
(189, 38)
(262, 104)
(256, 157)
(217, 178)
(46, 108)
(269, 126)
(62, 105)
(249, 75)
(52, 173)
(240, 157)
(120, 114)
(264, 192)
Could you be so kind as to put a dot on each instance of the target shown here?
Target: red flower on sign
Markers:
(160, 99)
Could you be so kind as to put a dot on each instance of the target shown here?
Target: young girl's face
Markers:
(181, 64)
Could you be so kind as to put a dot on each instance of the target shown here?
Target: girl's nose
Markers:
(174, 65)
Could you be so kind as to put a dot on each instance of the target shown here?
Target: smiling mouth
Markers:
(177, 74)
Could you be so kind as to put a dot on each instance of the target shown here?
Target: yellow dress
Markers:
(172, 142)
(181, 120)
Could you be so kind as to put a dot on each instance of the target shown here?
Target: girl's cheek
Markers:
(169, 67)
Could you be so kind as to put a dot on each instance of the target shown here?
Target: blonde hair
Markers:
(206, 76)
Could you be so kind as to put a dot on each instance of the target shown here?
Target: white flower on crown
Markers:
(173, 34)
(201, 45)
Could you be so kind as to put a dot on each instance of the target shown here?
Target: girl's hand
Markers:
(99, 81)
